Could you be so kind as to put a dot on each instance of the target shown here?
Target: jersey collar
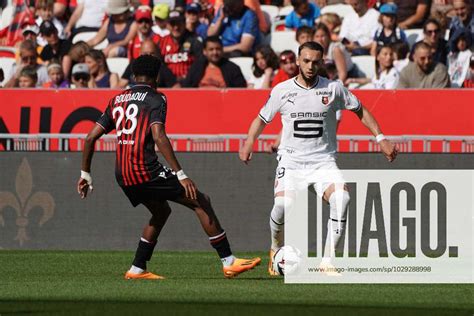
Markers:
(314, 85)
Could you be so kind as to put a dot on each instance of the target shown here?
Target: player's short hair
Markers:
(311, 45)
(212, 39)
(146, 65)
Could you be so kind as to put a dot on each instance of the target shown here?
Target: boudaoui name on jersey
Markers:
(137, 96)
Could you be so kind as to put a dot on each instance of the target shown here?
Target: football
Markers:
(286, 260)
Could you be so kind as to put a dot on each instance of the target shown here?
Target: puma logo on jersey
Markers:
(289, 95)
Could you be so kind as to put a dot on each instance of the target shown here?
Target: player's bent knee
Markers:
(278, 211)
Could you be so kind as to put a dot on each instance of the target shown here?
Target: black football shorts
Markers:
(165, 187)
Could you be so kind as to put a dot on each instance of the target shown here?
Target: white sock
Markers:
(136, 270)
(228, 261)
(277, 220)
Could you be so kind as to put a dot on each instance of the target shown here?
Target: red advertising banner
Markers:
(399, 112)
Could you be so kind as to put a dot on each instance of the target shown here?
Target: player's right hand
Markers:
(190, 188)
(83, 187)
(245, 153)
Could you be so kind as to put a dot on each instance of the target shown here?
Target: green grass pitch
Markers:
(91, 283)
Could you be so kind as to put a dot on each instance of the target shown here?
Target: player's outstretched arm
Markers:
(162, 141)
(389, 150)
(85, 181)
(256, 128)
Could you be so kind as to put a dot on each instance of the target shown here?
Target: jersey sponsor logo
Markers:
(323, 92)
(289, 95)
(126, 142)
(308, 114)
(137, 96)
(186, 46)
(325, 100)
(176, 58)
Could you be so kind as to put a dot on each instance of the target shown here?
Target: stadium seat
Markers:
(7, 16)
(6, 64)
(340, 9)
(413, 36)
(285, 10)
(366, 65)
(245, 64)
(117, 64)
(283, 40)
(85, 36)
(272, 11)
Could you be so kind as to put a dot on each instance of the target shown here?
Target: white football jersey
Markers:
(309, 117)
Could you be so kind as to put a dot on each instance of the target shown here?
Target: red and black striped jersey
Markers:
(179, 55)
(132, 113)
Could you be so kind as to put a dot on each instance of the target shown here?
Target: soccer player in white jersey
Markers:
(308, 104)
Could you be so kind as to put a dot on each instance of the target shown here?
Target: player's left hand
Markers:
(245, 153)
(83, 187)
(190, 188)
(389, 150)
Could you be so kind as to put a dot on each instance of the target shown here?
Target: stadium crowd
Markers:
(200, 42)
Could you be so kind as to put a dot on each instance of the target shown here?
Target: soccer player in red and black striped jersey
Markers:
(139, 115)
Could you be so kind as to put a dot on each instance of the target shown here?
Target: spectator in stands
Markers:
(56, 77)
(87, 17)
(304, 34)
(238, 27)
(44, 10)
(28, 77)
(144, 21)
(31, 32)
(193, 24)
(119, 29)
(80, 76)
(432, 33)
(56, 48)
(101, 77)
(213, 70)
(166, 79)
(304, 13)
(463, 19)
(160, 14)
(253, 5)
(401, 52)
(423, 72)
(288, 68)
(386, 74)
(388, 32)
(76, 55)
(442, 7)
(460, 58)
(336, 53)
(180, 48)
(333, 22)
(469, 82)
(28, 57)
(411, 14)
(265, 65)
(358, 28)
